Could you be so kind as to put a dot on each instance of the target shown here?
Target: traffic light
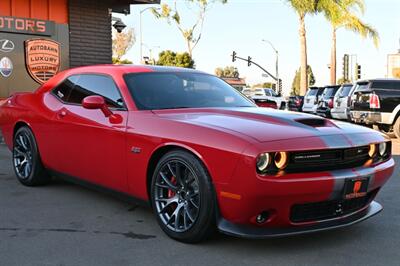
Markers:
(280, 86)
(346, 67)
(358, 74)
(233, 56)
(249, 61)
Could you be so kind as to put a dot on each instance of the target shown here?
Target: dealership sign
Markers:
(27, 26)
(42, 59)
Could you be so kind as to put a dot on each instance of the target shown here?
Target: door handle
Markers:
(61, 114)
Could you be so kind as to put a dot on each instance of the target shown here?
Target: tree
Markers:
(303, 8)
(343, 81)
(170, 58)
(191, 34)
(122, 42)
(121, 62)
(343, 14)
(296, 81)
(227, 72)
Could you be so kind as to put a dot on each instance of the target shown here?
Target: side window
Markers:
(63, 90)
(104, 86)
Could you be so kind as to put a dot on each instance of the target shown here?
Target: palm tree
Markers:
(343, 14)
(303, 8)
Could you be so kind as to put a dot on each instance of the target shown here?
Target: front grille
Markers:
(327, 159)
(328, 209)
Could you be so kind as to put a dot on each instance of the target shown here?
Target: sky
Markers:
(241, 25)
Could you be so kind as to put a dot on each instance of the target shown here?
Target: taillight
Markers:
(298, 102)
(330, 103)
(374, 102)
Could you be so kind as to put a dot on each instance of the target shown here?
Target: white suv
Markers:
(341, 102)
(311, 99)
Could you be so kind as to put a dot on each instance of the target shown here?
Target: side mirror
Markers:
(96, 102)
(93, 102)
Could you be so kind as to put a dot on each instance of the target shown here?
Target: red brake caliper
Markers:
(170, 192)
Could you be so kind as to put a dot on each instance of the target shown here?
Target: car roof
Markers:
(109, 68)
(378, 79)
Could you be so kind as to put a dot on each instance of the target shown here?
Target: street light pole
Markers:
(141, 32)
(276, 63)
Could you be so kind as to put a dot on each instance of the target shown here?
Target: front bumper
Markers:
(324, 112)
(244, 231)
(277, 195)
(367, 117)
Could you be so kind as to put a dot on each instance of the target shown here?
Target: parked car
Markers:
(265, 102)
(197, 151)
(341, 102)
(248, 92)
(311, 99)
(377, 102)
(295, 103)
(263, 94)
(325, 103)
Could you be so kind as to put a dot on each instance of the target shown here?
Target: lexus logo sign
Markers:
(6, 46)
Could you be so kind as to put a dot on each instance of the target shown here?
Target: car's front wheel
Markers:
(27, 164)
(182, 197)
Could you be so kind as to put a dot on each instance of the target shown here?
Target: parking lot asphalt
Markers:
(64, 224)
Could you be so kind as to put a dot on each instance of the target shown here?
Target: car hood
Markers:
(263, 124)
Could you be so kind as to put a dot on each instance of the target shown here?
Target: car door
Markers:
(88, 145)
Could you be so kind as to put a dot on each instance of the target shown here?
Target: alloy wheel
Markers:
(22, 155)
(177, 195)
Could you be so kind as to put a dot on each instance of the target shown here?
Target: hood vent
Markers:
(312, 122)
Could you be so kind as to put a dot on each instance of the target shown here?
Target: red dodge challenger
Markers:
(202, 154)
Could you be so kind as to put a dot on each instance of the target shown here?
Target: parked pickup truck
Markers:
(377, 102)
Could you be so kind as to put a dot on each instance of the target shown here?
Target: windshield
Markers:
(155, 91)
(329, 92)
(345, 91)
(362, 87)
(312, 92)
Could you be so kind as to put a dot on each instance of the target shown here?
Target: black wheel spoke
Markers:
(178, 174)
(168, 182)
(189, 216)
(170, 169)
(168, 203)
(194, 203)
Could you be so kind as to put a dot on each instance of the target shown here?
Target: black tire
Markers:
(386, 129)
(191, 188)
(396, 127)
(27, 164)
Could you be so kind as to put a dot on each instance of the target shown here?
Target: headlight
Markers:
(372, 150)
(263, 161)
(281, 160)
(382, 148)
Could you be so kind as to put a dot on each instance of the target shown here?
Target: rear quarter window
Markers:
(63, 90)
(386, 85)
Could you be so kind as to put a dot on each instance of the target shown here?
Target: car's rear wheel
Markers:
(396, 128)
(27, 164)
(182, 197)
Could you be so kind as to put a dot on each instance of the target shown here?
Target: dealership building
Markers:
(39, 38)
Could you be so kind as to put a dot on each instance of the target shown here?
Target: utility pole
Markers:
(141, 30)
(276, 64)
